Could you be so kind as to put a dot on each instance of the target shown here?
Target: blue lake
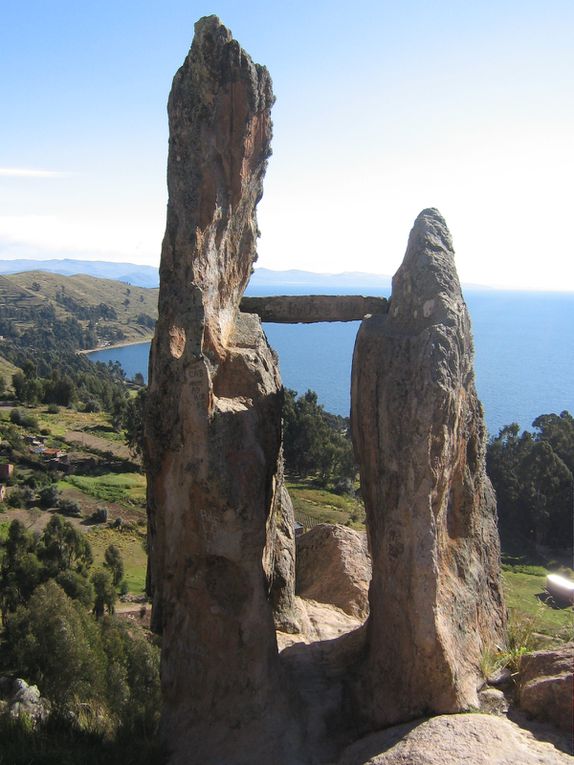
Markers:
(524, 354)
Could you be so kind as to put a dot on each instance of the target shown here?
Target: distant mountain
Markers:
(130, 273)
(148, 276)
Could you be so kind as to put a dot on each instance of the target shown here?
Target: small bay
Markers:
(524, 353)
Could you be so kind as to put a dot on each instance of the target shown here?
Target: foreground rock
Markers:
(545, 686)
(334, 566)
(216, 504)
(18, 699)
(419, 435)
(476, 739)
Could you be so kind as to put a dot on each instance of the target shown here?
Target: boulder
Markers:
(17, 699)
(334, 566)
(435, 599)
(476, 739)
(545, 686)
(217, 512)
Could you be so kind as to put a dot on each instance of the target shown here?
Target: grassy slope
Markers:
(7, 370)
(17, 289)
(131, 546)
(123, 488)
(314, 505)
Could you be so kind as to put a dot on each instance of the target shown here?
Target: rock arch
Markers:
(221, 545)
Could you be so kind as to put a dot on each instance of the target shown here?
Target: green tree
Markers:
(105, 593)
(49, 496)
(62, 547)
(56, 644)
(532, 478)
(20, 570)
(76, 586)
(315, 442)
(133, 675)
(133, 419)
(114, 563)
(19, 385)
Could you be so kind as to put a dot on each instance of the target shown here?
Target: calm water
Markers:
(524, 345)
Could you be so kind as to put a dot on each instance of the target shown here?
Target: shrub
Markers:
(16, 498)
(69, 507)
(49, 496)
(100, 515)
(24, 419)
(53, 409)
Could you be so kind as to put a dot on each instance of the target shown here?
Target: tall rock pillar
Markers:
(419, 435)
(216, 503)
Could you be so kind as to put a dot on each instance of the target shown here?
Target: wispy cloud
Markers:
(26, 172)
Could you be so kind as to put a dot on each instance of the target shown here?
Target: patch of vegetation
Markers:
(101, 677)
(313, 504)
(125, 488)
(533, 477)
(317, 443)
(131, 545)
(525, 598)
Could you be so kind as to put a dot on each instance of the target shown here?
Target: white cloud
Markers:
(25, 172)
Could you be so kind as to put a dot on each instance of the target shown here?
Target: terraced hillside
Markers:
(106, 310)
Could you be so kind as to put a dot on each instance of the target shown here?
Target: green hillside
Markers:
(107, 310)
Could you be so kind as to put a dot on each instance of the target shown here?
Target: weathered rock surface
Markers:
(545, 686)
(418, 430)
(473, 739)
(493, 701)
(322, 666)
(306, 309)
(17, 699)
(334, 566)
(216, 505)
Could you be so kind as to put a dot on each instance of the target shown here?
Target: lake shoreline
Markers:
(123, 344)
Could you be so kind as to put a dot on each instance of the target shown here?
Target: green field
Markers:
(125, 488)
(131, 544)
(521, 591)
(314, 505)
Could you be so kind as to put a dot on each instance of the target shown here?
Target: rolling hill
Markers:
(107, 310)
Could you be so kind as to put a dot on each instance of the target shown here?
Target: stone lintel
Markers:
(307, 309)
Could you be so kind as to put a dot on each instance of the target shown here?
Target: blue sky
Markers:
(383, 108)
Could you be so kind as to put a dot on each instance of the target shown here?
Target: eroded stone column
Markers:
(419, 434)
(213, 427)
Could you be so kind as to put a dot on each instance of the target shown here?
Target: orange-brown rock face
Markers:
(419, 435)
(213, 427)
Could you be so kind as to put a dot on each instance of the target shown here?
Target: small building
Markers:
(6, 471)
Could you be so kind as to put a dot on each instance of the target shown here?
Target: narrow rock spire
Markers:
(221, 546)
(419, 434)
